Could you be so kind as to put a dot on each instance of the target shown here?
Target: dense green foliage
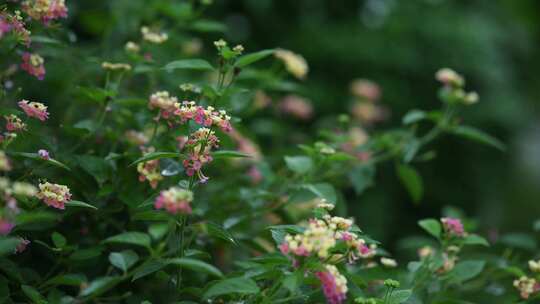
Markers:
(175, 152)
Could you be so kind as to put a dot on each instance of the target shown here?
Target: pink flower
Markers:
(45, 10)
(453, 226)
(255, 174)
(175, 200)
(334, 285)
(5, 226)
(296, 106)
(44, 154)
(284, 248)
(54, 195)
(5, 26)
(34, 109)
(33, 64)
(366, 89)
(14, 123)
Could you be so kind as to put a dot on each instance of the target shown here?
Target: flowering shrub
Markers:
(148, 186)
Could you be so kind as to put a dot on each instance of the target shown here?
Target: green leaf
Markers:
(361, 177)
(155, 155)
(196, 265)
(519, 240)
(228, 154)
(4, 289)
(252, 58)
(240, 286)
(151, 215)
(36, 156)
(86, 254)
(99, 286)
(8, 245)
(95, 94)
(33, 294)
(466, 270)
(96, 166)
(413, 116)
(189, 64)
(123, 260)
(280, 231)
(147, 268)
(74, 203)
(399, 296)
(67, 279)
(58, 240)
(218, 231)
(412, 181)
(299, 164)
(132, 238)
(208, 26)
(324, 191)
(474, 239)
(478, 136)
(432, 226)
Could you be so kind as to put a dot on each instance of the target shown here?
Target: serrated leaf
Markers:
(432, 226)
(195, 265)
(241, 286)
(132, 238)
(478, 136)
(412, 181)
(74, 203)
(155, 155)
(248, 59)
(123, 260)
(299, 164)
(189, 64)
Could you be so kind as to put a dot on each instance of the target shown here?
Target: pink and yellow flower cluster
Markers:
(175, 200)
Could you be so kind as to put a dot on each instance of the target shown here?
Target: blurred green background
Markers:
(399, 45)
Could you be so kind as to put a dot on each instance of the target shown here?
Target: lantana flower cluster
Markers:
(320, 240)
(181, 112)
(45, 10)
(149, 170)
(452, 92)
(9, 193)
(366, 108)
(54, 195)
(294, 63)
(175, 200)
(34, 109)
(33, 64)
(13, 23)
(529, 285)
